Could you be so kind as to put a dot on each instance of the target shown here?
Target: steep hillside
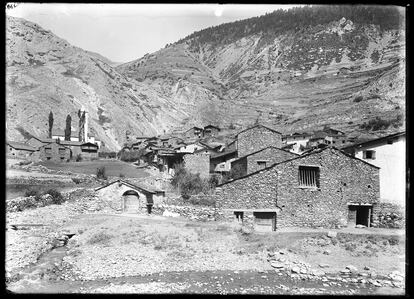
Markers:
(45, 73)
(294, 70)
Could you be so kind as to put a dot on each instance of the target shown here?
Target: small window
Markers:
(262, 164)
(369, 154)
(389, 141)
(239, 216)
(308, 176)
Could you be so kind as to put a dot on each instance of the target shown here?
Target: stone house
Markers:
(261, 159)
(198, 162)
(89, 150)
(221, 162)
(299, 141)
(19, 150)
(123, 196)
(210, 130)
(325, 188)
(257, 138)
(388, 153)
(55, 152)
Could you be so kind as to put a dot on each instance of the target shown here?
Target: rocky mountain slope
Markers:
(340, 73)
(294, 70)
(45, 73)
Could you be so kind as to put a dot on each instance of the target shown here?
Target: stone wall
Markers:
(388, 215)
(270, 155)
(198, 163)
(342, 180)
(198, 213)
(257, 138)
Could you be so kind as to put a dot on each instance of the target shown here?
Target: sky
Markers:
(125, 32)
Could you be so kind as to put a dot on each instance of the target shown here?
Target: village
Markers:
(257, 180)
(206, 149)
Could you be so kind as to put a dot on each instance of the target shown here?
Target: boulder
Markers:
(295, 269)
(352, 268)
(277, 265)
(327, 252)
(332, 234)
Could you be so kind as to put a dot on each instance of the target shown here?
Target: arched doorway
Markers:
(130, 202)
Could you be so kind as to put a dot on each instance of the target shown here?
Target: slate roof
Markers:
(296, 158)
(259, 125)
(144, 189)
(281, 149)
(21, 146)
(374, 141)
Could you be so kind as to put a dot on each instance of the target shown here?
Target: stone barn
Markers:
(325, 188)
(19, 150)
(126, 197)
(257, 138)
(55, 152)
(261, 159)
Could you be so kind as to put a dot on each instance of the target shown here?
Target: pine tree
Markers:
(50, 124)
(68, 127)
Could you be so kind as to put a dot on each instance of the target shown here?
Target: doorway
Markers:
(265, 221)
(130, 202)
(359, 215)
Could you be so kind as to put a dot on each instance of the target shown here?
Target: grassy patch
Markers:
(100, 237)
(112, 168)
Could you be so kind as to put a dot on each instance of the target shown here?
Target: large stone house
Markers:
(261, 159)
(324, 188)
(257, 138)
(55, 152)
(126, 197)
(388, 153)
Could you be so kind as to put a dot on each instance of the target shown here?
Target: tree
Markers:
(68, 127)
(50, 124)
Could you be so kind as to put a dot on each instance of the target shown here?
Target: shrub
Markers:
(21, 163)
(358, 99)
(77, 180)
(121, 175)
(78, 158)
(393, 241)
(100, 237)
(131, 156)
(57, 197)
(101, 173)
(31, 192)
(189, 183)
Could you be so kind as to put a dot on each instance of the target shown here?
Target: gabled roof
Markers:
(193, 128)
(211, 126)
(21, 146)
(273, 147)
(375, 141)
(141, 188)
(258, 125)
(89, 143)
(299, 157)
(71, 143)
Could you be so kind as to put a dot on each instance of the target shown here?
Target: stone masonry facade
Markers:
(198, 163)
(257, 138)
(255, 162)
(342, 180)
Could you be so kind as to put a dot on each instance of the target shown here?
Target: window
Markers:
(308, 176)
(389, 141)
(369, 154)
(262, 164)
(239, 216)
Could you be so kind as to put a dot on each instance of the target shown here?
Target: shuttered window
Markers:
(308, 176)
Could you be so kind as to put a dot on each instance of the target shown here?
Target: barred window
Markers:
(308, 176)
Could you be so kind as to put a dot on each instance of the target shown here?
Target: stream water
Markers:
(45, 276)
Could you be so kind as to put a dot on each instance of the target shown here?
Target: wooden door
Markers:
(131, 204)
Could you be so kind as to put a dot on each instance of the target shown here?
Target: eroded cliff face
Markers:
(45, 73)
(295, 80)
(341, 74)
